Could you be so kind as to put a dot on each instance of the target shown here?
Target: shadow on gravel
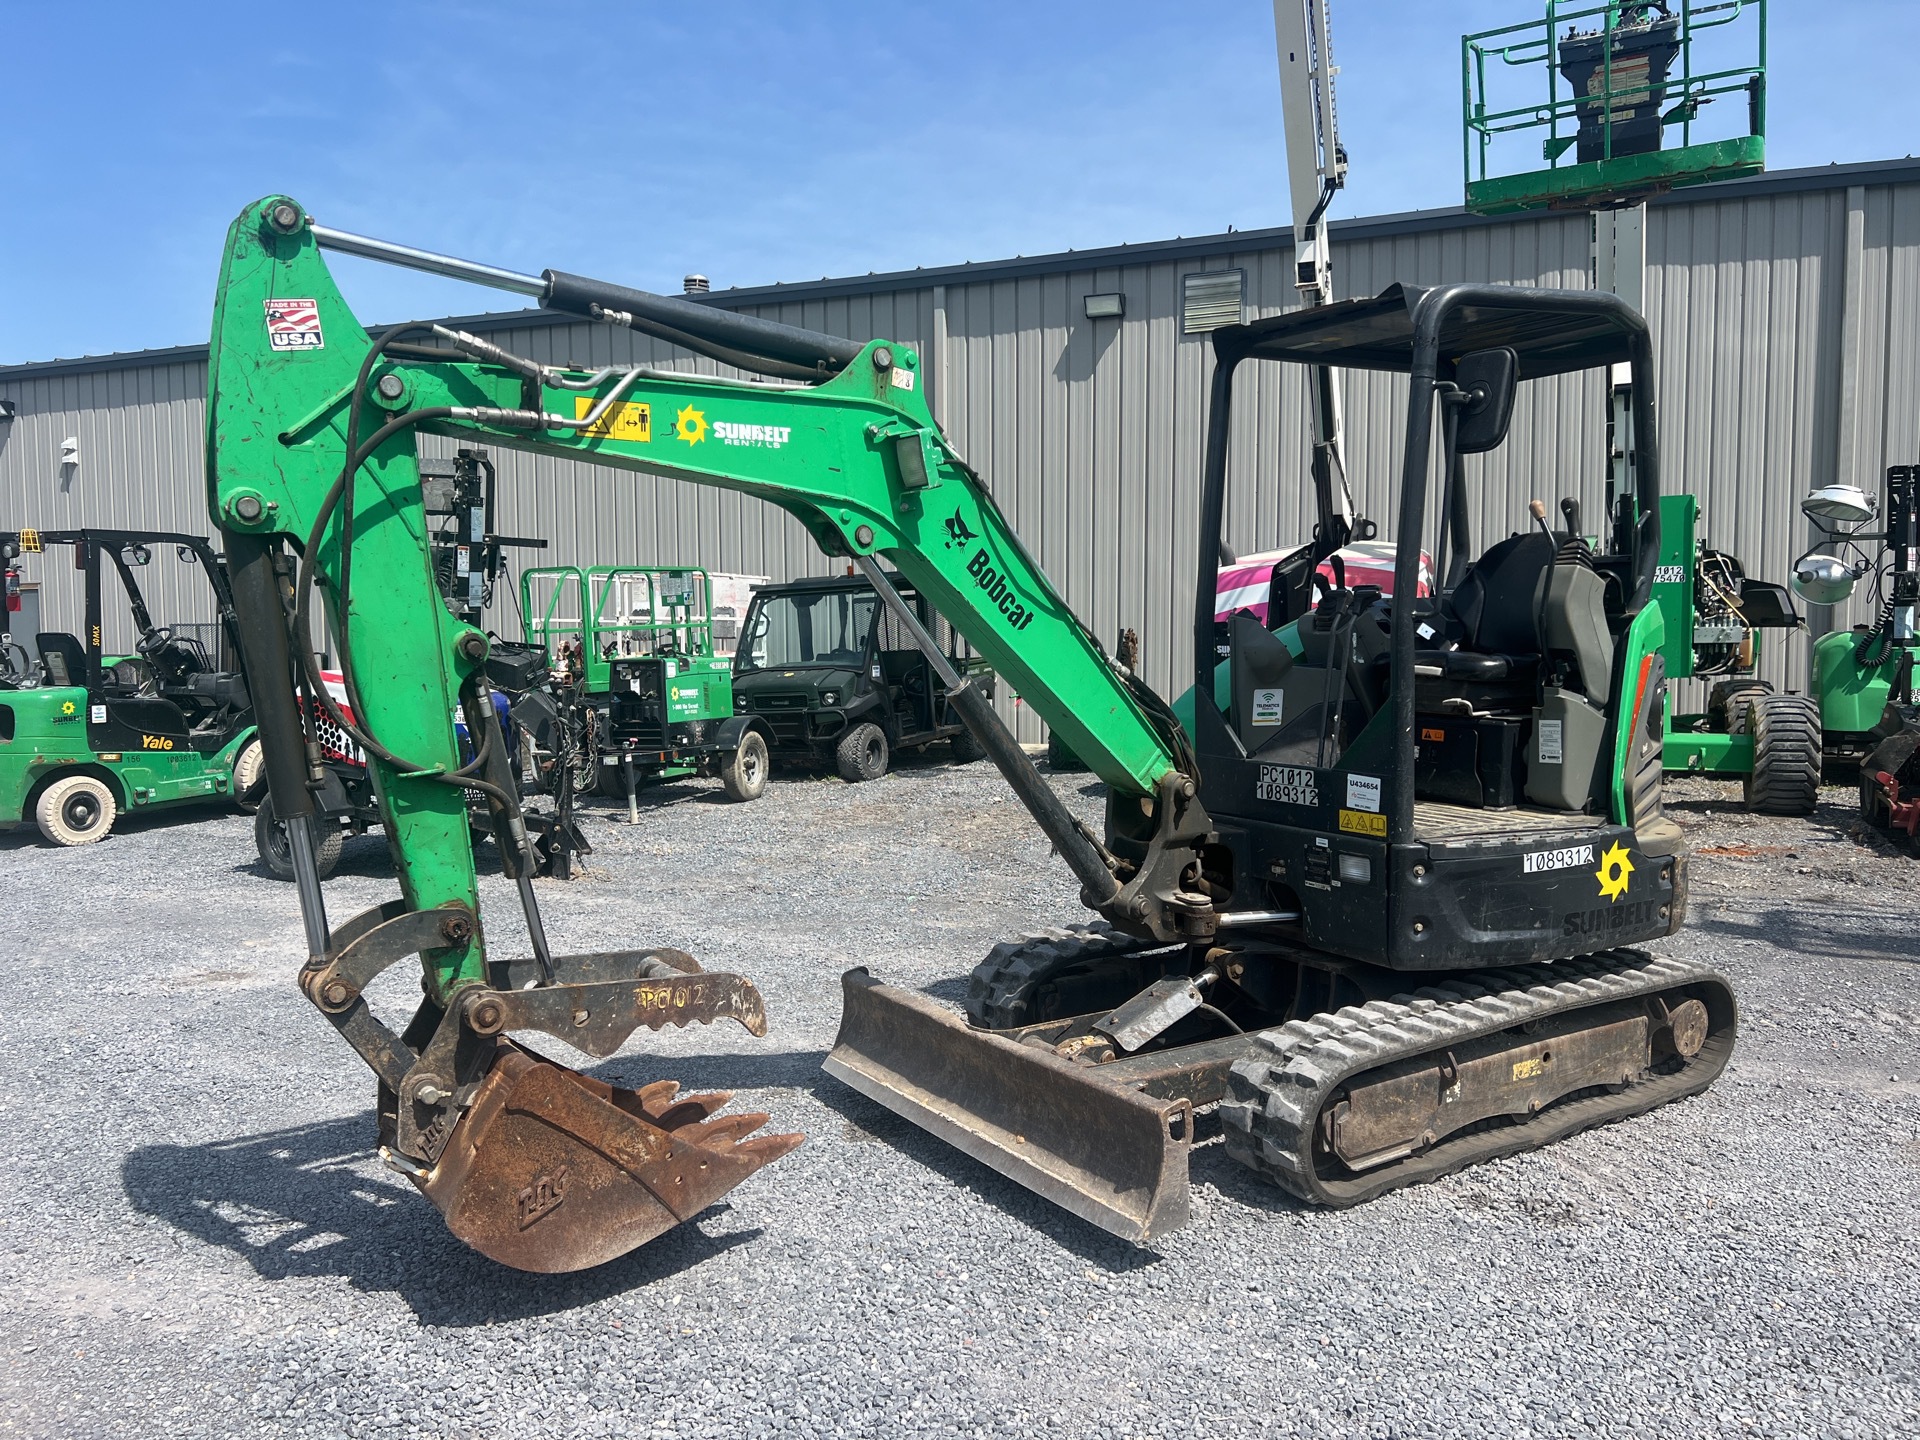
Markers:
(1835, 933)
(868, 1122)
(302, 1202)
(26, 836)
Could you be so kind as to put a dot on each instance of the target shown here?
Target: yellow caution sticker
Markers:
(630, 420)
(1529, 1069)
(1360, 822)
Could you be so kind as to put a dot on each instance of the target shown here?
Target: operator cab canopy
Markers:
(1546, 336)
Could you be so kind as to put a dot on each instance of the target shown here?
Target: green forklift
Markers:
(632, 651)
(87, 736)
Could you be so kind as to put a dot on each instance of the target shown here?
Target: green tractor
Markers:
(652, 699)
(1717, 619)
(86, 736)
(1782, 746)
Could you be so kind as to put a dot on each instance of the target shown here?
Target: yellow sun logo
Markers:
(66, 707)
(690, 425)
(1615, 868)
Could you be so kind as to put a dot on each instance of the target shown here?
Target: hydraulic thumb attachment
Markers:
(532, 1164)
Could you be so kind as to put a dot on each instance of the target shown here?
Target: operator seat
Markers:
(63, 655)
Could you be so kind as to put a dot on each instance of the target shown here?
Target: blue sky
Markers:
(753, 142)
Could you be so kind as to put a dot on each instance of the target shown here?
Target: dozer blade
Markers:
(1104, 1150)
(551, 1171)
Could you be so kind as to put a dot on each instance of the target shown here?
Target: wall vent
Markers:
(1210, 300)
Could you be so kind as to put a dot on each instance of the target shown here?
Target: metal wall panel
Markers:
(1786, 316)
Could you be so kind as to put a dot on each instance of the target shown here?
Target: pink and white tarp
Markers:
(1246, 584)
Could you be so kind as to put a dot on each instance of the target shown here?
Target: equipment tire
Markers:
(1727, 702)
(861, 753)
(1012, 986)
(1785, 778)
(270, 839)
(249, 776)
(744, 772)
(1059, 757)
(76, 810)
(966, 747)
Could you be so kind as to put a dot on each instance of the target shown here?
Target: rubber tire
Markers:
(249, 776)
(1785, 779)
(966, 748)
(1059, 757)
(861, 753)
(270, 839)
(1729, 698)
(744, 774)
(76, 810)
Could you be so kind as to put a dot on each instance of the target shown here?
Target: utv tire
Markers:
(270, 839)
(1727, 703)
(249, 776)
(1785, 779)
(966, 748)
(76, 810)
(744, 774)
(861, 753)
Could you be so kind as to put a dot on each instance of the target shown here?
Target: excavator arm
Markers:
(312, 474)
(855, 455)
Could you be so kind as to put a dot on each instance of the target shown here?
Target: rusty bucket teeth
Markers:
(553, 1171)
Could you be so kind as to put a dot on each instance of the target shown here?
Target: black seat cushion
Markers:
(1496, 602)
(64, 656)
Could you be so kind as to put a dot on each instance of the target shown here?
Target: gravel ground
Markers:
(200, 1243)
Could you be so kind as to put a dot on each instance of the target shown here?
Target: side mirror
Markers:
(1822, 579)
(136, 554)
(185, 552)
(1487, 378)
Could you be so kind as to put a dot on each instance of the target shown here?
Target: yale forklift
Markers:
(87, 736)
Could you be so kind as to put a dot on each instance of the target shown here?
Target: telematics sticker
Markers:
(1563, 859)
(294, 325)
(97, 714)
(1266, 706)
(1363, 793)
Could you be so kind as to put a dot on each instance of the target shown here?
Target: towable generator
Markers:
(1373, 903)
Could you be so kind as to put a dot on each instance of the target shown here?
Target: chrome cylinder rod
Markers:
(471, 271)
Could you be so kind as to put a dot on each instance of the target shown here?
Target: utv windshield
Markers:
(827, 628)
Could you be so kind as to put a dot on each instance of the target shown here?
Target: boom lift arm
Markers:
(312, 431)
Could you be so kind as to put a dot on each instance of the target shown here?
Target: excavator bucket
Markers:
(551, 1170)
(1104, 1149)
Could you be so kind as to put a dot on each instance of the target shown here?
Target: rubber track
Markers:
(1003, 984)
(1278, 1092)
(1785, 779)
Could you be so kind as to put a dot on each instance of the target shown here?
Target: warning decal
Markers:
(294, 325)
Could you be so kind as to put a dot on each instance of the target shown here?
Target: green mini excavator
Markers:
(1372, 902)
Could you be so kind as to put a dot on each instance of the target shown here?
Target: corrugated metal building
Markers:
(1785, 309)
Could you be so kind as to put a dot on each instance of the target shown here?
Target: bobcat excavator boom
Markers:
(1226, 946)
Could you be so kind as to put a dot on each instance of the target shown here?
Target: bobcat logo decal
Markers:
(957, 531)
